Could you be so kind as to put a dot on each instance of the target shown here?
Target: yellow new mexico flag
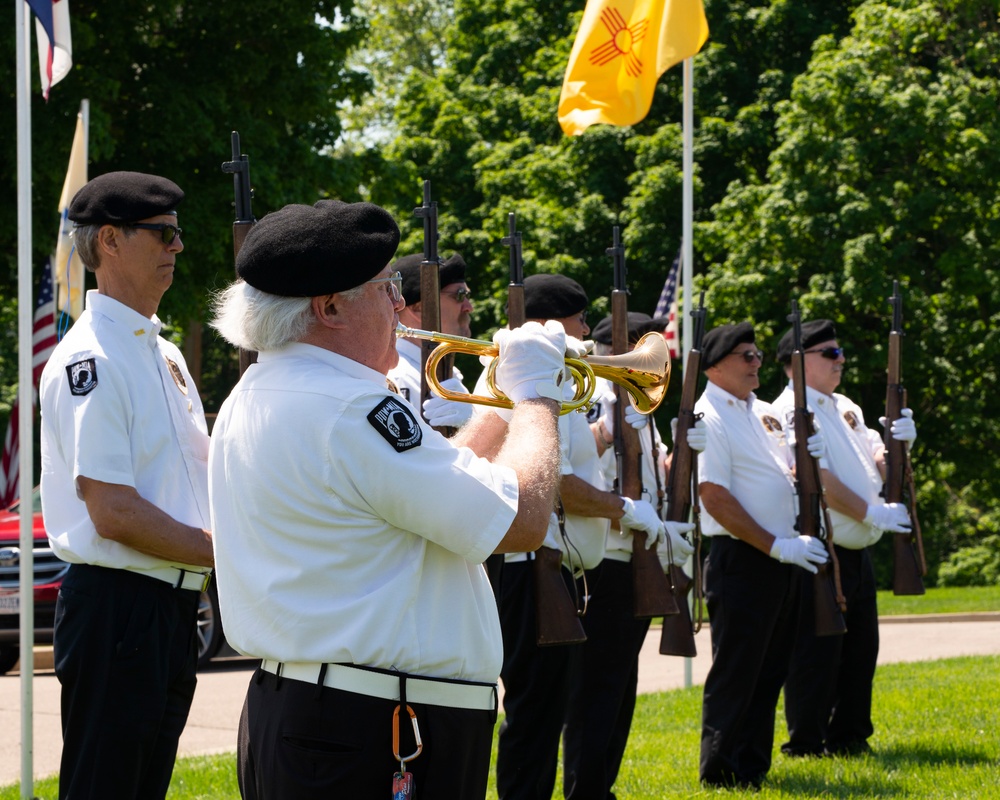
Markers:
(621, 49)
(68, 266)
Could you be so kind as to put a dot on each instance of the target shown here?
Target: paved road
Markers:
(214, 716)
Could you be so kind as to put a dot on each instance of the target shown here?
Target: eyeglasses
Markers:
(749, 355)
(829, 352)
(460, 295)
(167, 231)
(395, 287)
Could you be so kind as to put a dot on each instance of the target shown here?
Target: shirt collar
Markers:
(141, 327)
(716, 391)
(310, 351)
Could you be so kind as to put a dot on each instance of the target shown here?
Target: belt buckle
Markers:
(206, 580)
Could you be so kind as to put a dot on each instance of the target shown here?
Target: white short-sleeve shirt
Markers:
(346, 529)
(747, 453)
(119, 406)
(850, 456)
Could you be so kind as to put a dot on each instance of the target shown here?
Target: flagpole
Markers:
(26, 418)
(687, 259)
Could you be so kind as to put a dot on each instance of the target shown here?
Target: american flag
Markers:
(666, 306)
(43, 342)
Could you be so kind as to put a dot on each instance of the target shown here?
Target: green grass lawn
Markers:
(937, 735)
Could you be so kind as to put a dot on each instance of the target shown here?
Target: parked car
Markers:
(49, 572)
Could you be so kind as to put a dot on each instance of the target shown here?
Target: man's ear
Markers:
(324, 308)
(108, 238)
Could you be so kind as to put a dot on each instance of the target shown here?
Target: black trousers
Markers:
(300, 741)
(602, 691)
(126, 657)
(828, 692)
(753, 605)
(536, 688)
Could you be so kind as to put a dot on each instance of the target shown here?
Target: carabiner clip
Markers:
(395, 735)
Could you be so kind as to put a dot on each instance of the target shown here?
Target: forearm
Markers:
(731, 515)
(531, 449)
(584, 500)
(840, 498)
(120, 514)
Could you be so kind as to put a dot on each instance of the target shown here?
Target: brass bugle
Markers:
(644, 372)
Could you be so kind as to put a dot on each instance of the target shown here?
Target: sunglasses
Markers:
(395, 287)
(829, 352)
(749, 355)
(460, 295)
(167, 231)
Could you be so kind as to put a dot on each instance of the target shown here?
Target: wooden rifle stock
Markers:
(430, 298)
(651, 593)
(908, 564)
(677, 633)
(813, 519)
(244, 220)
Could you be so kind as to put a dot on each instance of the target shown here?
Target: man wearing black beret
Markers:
(350, 535)
(455, 304)
(828, 692)
(125, 499)
(747, 492)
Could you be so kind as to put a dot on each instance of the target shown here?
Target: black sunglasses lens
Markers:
(169, 233)
(832, 353)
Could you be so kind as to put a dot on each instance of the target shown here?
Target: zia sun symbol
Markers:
(623, 42)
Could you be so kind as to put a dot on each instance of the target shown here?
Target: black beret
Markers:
(548, 296)
(452, 271)
(719, 342)
(814, 332)
(639, 325)
(306, 251)
(124, 197)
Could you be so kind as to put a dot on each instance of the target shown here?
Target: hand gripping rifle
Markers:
(240, 169)
(814, 518)
(677, 633)
(557, 620)
(651, 594)
(430, 297)
(908, 548)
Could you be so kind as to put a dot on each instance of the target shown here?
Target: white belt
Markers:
(517, 558)
(177, 577)
(434, 692)
(618, 555)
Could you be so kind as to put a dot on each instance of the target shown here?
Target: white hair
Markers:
(254, 320)
(251, 319)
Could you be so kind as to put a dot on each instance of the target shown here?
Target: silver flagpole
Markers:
(26, 419)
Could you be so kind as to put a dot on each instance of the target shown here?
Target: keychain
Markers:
(402, 781)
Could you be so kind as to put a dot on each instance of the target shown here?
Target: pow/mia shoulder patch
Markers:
(396, 423)
(82, 376)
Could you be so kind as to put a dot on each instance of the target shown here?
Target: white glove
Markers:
(697, 435)
(531, 361)
(632, 417)
(891, 517)
(680, 548)
(640, 515)
(803, 551)
(904, 429)
(578, 348)
(441, 413)
(816, 445)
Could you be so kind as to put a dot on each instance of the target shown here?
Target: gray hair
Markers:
(254, 320)
(85, 242)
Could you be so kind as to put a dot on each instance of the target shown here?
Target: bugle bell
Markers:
(644, 372)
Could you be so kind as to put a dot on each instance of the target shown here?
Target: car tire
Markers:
(10, 654)
(210, 636)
